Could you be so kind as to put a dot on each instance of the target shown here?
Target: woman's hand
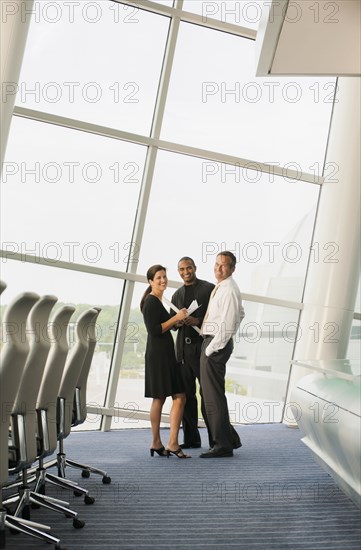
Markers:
(175, 320)
(181, 314)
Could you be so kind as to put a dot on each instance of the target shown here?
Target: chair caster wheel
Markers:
(89, 500)
(85, 473)
(78, 523)
(106, 480)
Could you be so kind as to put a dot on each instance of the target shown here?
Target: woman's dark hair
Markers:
(150, 276)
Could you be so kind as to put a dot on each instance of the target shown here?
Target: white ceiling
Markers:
(308, 37)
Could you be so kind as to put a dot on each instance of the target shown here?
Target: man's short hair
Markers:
(187, 259)
(230, 255)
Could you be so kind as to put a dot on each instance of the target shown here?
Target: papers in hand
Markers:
(193, 306)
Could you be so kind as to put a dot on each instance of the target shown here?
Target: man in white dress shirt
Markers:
(223, 317)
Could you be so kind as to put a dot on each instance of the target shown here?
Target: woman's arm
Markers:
(182, 314)
(152, 313)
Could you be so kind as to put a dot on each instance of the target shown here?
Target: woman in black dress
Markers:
(162, 373)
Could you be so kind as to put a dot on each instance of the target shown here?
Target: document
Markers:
(194, 305)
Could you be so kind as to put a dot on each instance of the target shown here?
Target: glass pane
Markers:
(245, 14)
(75, 193)
(257, 371)
(205, 207)
(88, 61)
(81, 290)
(215, 102)
(354, 345)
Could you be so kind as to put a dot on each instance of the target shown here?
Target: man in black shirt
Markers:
(188, 345)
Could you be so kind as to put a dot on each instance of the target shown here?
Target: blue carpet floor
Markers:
(270, 495)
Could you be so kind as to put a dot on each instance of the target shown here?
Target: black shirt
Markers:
(183, 297)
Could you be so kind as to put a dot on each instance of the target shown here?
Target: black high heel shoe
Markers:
(161, 451)
(178, 453)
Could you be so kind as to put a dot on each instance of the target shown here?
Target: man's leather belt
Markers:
(188, 340)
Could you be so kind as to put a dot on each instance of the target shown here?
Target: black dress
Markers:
(162, 372)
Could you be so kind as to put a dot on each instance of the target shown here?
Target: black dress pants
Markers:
(213, 371)
(190, 369)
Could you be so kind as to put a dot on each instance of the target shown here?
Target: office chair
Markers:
(46, 405)
(13, 360)
(23, 416)
(79, 407)
(72, 371)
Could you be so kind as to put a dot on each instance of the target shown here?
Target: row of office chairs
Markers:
(42, 395)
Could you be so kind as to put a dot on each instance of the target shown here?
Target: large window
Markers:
(74, 193)
(200, 207)
(216, 103)
(89, 62)
(138, 139)
(236, 12)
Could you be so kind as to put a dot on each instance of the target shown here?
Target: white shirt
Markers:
(224, 315)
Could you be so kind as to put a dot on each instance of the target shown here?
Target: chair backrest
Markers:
(39, 345)
(73, 366)
(12, 362)
(80, 413)
(53, 372)
(3, 285)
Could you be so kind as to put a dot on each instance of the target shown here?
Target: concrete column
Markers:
(15, 19)
(334, 269)
(333, 274)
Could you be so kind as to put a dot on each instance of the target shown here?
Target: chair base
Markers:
(43, 476)
(30, 528)
(87, 470)
(27, 499)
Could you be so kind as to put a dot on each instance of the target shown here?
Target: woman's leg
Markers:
(176, 414)
(155, 416)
